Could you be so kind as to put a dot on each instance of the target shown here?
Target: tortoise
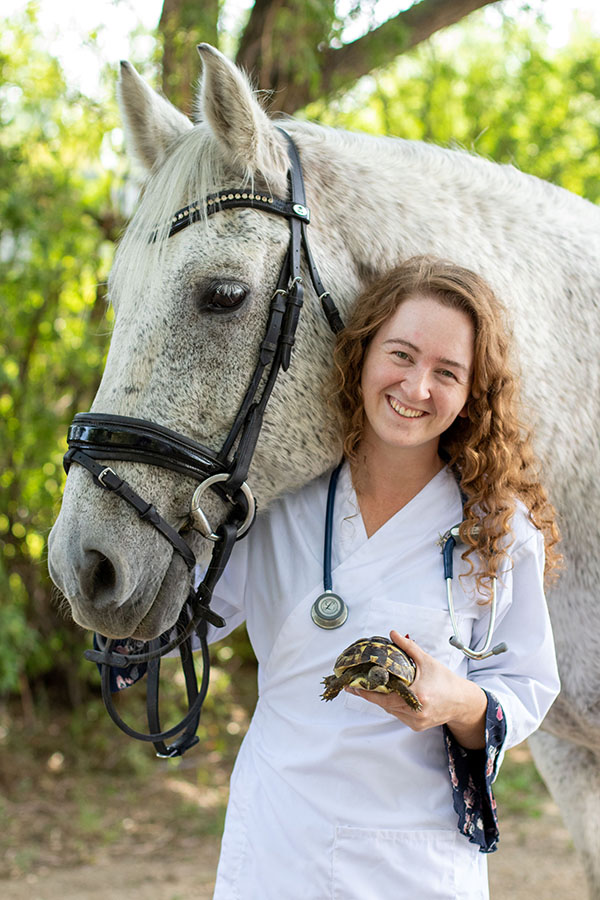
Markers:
(373, 664)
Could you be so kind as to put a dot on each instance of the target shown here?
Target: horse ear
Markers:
(228, 104)
(151, 122)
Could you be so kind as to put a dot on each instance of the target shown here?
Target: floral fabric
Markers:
(472, 773)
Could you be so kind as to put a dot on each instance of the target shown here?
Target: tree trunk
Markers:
(184, 24)
(288, 46)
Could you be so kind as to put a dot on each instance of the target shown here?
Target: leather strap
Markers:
(189, 737)
(294, 209)
(108, 479)
(107, 436)
(195, 616)
(232, 198)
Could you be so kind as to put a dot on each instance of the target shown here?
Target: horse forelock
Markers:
(195, 167)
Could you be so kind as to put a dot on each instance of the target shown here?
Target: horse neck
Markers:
(375, 201)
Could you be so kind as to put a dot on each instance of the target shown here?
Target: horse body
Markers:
(373, 202)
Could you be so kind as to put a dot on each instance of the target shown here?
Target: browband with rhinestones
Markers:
(229, 198)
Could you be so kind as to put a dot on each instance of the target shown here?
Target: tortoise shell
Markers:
(379, 651)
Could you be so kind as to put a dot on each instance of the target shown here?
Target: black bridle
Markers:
(94, 437)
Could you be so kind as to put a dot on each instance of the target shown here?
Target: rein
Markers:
(94, 437)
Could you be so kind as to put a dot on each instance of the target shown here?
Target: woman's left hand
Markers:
(446, 698)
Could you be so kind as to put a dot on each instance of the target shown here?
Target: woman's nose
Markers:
(416, 384)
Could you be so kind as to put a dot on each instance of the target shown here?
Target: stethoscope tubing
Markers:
(328, 543)
(449, 543)
(456, 640)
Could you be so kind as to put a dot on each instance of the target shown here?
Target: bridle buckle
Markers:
(102, 477)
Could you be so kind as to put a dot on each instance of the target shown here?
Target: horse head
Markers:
(190, 314)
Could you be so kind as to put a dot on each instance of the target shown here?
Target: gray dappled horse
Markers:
(191, 312)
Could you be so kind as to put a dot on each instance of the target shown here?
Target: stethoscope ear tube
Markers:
(327, 578)
(456, 640)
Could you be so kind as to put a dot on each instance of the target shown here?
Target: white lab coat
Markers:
(340, 800)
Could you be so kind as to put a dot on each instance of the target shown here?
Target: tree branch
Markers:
(341, 67)
(256, 41)
(280, 46)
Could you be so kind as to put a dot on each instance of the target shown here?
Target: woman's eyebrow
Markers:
(441, 359)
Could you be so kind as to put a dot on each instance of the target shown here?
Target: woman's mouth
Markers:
(405, 411)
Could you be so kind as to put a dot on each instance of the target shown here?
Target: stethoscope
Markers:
(330, 611)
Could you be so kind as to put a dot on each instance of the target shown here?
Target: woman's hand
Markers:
(446, 698)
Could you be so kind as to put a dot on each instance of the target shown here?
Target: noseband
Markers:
(94, 437)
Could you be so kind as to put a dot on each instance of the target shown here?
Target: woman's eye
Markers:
(447, 373)
(225, 296)
(401, 354)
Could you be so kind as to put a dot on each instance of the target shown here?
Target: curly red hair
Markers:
(490, 450)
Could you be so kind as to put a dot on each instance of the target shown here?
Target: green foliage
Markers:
(57, 225)
(309, 21)
(503, 94)
(183, 25)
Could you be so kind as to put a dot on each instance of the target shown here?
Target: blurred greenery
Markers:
(80, 786)
(503, 94)
(59, 223)
(64, 197)
(519, 790)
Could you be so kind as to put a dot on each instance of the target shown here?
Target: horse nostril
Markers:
(98, 576)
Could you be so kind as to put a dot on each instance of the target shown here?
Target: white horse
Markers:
(174, 360)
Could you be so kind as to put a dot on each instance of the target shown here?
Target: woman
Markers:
(361, 797)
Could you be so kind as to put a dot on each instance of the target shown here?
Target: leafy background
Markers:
(494, 83)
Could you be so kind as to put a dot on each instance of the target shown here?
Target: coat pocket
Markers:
(406, 865)
(429, 626)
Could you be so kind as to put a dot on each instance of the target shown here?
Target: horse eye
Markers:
(224, 296)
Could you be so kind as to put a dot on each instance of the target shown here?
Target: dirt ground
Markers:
(536, 861)
(152, 831)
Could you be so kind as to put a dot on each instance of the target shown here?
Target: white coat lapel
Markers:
(419, 524)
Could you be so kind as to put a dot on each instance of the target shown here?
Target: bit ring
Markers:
(200, 522)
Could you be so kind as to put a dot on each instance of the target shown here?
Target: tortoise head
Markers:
(376, 677)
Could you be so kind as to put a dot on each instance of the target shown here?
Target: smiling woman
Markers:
(412, 391)
(428, 409)
(424, 377)
(308, 814)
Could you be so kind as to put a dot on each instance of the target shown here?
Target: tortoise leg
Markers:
(333, 685)
(405, 692)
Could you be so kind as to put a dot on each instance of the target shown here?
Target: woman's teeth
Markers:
(404, 410)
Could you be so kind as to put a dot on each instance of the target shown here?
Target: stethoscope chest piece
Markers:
(329, 610)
